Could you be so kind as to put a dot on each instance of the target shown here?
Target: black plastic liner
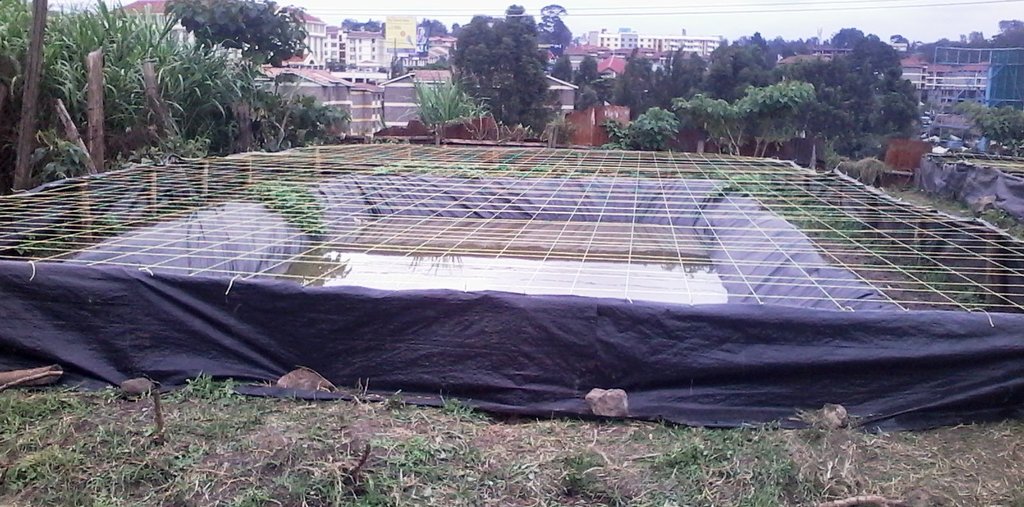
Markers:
(715, 365)
(975, 185)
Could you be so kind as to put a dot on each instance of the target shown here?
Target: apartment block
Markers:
(701, 45)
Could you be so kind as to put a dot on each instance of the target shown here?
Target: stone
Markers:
(137, 386)
(608, 402)
(834, 416)
(306, 380)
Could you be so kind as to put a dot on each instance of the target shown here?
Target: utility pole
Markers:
(30, 97)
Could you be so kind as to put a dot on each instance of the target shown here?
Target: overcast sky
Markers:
(928, 20)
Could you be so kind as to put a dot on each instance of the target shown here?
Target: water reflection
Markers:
(681, 283)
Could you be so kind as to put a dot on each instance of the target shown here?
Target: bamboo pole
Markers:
(30, 97)
(94, 109)
(71, 132)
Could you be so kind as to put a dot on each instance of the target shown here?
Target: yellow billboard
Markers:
(400, 32)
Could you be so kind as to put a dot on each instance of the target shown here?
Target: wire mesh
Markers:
(916, 258)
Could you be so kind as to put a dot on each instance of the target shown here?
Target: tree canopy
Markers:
(433, 27)
(552, 30)
(562, 69)
(263, 31)
(501, 65)
(735, 68)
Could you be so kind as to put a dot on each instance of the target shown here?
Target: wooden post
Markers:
(71, 133)
(94, 109)
(814, 155)
(30, 96)
(164, 124)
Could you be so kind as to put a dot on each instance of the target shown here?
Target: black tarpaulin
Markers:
(717, 365)
(975, 185)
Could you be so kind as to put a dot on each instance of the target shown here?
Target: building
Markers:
(316, 40)
(628, 40)
(334, 52)
(564, 94)
(611, 67)
(945, 85)
(365, 50)
(156, 11)
(363, 102)
(400, 95)
(829, 52)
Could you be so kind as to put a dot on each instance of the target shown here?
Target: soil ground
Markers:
(61, 447)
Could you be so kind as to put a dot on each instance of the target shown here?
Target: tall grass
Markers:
(445, 103)
(200, 85)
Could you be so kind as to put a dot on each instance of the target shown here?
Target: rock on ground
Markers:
(608, 402)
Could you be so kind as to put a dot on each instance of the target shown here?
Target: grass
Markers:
(296, 203)
(59, 447)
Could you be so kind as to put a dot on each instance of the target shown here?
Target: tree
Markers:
(651, 131)
(587, 73)
(562, 69)
(370, 25)
(264, 32)
(680, 77)
(456, 28)
(735, 68)
(433, 27)
(593, 89)
(720, 120)
(1004, 125)
(551, 28)
(861, 98)
(773, 112)
(633, 87)
(1010, 25)
(501, 65)
(847, 37)
(898, 39)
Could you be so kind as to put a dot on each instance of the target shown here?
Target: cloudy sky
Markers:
(923, 20)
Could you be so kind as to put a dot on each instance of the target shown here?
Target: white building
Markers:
(337, 40)
(316, 40)
(701, 45)
(365, 50)
(156, 11)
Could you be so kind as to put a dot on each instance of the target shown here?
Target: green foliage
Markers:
(57, 158)
(1004, 125)
(651, 131)
(262, 31)
(633, 87)
(772, 112)
(735, 68)
(680, 77)
(720, 120)
(593, 88)
(295, 203)
(861, 98)
(501, 65)
(552, 29)
(441, 104)
(562, 69)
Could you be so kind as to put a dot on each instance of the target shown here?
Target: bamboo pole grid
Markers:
(916, 257)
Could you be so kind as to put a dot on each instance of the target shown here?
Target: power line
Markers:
(742, 4)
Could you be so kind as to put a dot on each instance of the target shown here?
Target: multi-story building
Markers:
(363, 102)
(156, 11)
(365, 50)
(947, 85)
(334, 53)
(316, 40)
(628, 40)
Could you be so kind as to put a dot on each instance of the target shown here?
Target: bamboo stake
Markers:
(71, 133)
(30, 97)
(94, 109)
